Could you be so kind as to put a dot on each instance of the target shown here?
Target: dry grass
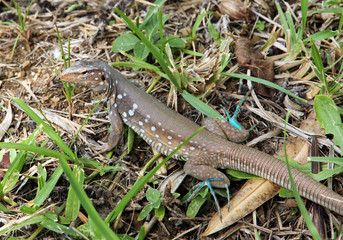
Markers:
(92, 28)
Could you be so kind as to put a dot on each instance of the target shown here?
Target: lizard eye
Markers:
(102, 77)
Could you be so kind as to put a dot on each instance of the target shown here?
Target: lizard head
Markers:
(92, 73)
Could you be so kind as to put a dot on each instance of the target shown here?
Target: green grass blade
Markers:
(201, 106)
(282, 17)
(18, 10)
(61, 46)
(291, 26)
(265, 82)
(139, 62)
(4, 209)
(59, 228)
(304, 9)
(48, 187)
(340, 24)
(10, 24)
(316, 57)
(326, 34)
(160, 25)
(329, 10)
(14, 46)
(319, 70)
(197, 23)
(130, 139)
(12, 174)
(27, 13)
(19, 225)
(190, 52)
(151, 11)
(326, 173)
(73, 202)
(141, 65)
(335, 160)
(35, 149)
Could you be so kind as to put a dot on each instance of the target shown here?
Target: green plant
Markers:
(128, 41)
(331, 87)
(196, 202)
(154, 197)
(328, 115)
(74, 6)
(261, 25)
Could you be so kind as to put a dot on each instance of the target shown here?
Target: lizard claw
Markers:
(104, 147)
(207, 182)
(99, 147)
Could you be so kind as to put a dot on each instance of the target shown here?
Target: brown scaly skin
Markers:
(164, 129)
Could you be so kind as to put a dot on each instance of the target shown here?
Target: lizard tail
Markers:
(263, 165)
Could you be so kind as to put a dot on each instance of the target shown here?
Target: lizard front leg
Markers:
(117, 128)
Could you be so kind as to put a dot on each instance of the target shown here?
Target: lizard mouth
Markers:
(70, 77)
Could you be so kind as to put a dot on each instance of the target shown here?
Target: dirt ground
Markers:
(92, 28)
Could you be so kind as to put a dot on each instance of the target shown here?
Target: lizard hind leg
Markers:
(204, 172)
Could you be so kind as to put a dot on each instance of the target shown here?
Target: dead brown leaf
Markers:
(251, 58)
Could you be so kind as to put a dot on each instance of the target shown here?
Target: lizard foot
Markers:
(207, 182)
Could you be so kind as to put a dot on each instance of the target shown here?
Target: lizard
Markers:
(164, 129)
